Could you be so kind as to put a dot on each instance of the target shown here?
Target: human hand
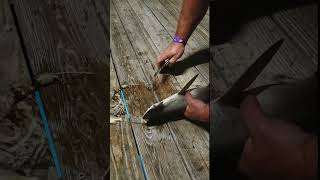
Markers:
(173, 52)
(276, 149)
(196, 109)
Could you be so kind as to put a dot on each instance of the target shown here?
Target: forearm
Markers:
(191, 14)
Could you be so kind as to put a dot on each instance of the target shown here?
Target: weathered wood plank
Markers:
(123, 55)
(67, 36)
(179, 129)
(199, 41)
(233, 57)
(161, 39)
(200, 34)
(124, 163)
(195, 154)
(132, 53)
(123, 153)
(146, 18)
(301, 24)
(23, 145)
(174, 9)
(177, 4)
(158, 142)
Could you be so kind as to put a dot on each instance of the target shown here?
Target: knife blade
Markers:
(185, 88)
(233, 95)
(166, 63)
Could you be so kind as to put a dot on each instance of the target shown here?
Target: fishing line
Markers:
(129, 119)
(38, 98)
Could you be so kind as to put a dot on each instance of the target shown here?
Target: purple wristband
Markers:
(177, 39)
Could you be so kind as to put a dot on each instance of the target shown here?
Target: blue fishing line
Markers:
(142, 167)
(129, 119)
(44, 120)
(125, 104)
(38, 99)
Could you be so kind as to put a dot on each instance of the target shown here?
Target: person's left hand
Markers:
(276, 149)
(196, 109)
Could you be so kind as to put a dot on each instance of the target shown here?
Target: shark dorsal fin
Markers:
(186, 87)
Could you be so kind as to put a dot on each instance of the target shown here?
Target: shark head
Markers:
(153, 110)
(169, 109)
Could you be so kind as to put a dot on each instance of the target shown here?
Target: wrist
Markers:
(205, 113)
(179, 39)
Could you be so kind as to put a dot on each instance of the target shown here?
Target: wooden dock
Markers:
(140, 30)
(297, 58)
(60, 36)
(73, 36)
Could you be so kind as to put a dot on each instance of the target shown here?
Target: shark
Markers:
(173, 107)
(297, 102)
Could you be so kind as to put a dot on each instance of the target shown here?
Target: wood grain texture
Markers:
(196, 153)
(173, 8)
(67, 36)
(164, 147)
(23, 146)
(288, 64)
(160, 38)
(123, 153)
(139, 98)
(168, 17)
(124, 163)
(204, 24)
(301, 24)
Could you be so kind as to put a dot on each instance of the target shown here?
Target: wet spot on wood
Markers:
(139, 98)
(163, 87)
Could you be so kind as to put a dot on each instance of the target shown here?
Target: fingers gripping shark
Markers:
(173, 107)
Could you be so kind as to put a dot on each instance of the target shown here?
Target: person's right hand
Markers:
(173, 52)
(196, 109)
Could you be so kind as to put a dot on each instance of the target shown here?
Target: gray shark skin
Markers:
(173, 107)
(296, 103)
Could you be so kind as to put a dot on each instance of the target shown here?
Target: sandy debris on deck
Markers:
(23, 146)
(117, 108)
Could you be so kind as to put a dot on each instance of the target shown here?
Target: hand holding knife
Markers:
(165, 64)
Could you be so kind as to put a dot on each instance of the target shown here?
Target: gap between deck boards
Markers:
(140, 158)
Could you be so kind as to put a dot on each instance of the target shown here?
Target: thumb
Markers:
(252, 115)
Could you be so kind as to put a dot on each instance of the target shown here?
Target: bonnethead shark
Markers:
(227, 132)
